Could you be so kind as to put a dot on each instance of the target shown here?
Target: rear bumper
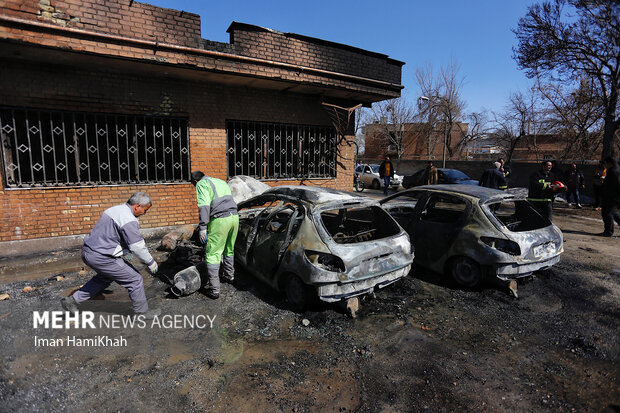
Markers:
(515, 270)
(338, 291)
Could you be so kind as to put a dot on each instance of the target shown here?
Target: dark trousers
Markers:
(575, 194)
(544, 208)
(609, 212)
(386, 181)
(598, 195)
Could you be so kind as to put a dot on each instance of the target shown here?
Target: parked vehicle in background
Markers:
(368, 174)
(472, 232)
(318, 242)
(445, 175)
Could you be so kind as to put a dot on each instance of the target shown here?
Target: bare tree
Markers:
(441, 103)
(361, 116)
(476, 130)
(394, 118)
(451, 104)
(517, 124)
(576, 116)
(573, 40)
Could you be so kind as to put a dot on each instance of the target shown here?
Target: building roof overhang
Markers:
(82, 48)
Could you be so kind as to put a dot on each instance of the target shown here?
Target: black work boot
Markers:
(212, 294)
(69, 304)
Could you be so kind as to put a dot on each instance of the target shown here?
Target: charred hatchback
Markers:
(314, 242)
(471, 232)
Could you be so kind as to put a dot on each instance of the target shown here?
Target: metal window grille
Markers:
(56, 148)
(280, 151)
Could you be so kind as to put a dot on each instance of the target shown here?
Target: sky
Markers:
(476, 34)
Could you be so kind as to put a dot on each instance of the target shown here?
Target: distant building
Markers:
(534, 148)
(419, 141)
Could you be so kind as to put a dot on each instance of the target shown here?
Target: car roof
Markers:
(484, 194)
(316, 195)
(419, 171)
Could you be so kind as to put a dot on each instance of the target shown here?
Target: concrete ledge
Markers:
(14, 249)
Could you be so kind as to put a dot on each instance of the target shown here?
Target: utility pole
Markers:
(428, 107)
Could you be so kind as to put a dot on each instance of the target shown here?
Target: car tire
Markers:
(466, 271)
(376, 184)
(298, 294)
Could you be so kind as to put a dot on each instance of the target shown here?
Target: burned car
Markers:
(471, 232)
(315, 242)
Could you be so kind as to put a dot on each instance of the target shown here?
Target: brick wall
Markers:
(138, 20)
(304, 51)
(166, 27)
(37, 213)
(415, 141)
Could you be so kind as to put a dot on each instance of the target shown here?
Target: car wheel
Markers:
(299, 295)
(376, 184)
(466, 271)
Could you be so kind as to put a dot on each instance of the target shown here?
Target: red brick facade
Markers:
(415, 141)
(133, 58)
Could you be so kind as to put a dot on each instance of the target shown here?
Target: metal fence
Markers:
(42, 148)
(280, 151)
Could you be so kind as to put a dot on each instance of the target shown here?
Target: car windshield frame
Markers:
(374, 168)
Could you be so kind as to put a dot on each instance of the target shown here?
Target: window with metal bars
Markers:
(280, 151)
(43, 148)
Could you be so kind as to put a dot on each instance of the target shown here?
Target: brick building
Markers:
(100, 99)
(536, 148)
(418, 141)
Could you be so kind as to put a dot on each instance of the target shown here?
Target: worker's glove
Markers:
(203, 236)
(153, 267)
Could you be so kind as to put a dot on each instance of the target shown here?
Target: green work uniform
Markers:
(218, 215)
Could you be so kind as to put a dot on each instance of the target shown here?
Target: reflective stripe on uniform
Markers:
(545, 183)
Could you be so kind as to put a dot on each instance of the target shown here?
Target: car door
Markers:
(273, 235)
(367, 176)
(402, 207)
(437, 223)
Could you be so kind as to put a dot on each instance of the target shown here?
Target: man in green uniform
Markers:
(218, 227)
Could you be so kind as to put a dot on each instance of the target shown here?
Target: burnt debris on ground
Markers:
(420, 343)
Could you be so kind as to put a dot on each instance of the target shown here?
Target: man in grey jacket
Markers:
(117, 230)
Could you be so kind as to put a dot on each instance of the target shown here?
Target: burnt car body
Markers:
(444, 176)
(310, 241)
(472, 232)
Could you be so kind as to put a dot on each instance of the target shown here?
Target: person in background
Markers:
(610, 197)
(541, 189)
(117, 230)
(574, 183)
(506, 169)
(386, 172)
(431, 176)
(599, 177)
(493, 177)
